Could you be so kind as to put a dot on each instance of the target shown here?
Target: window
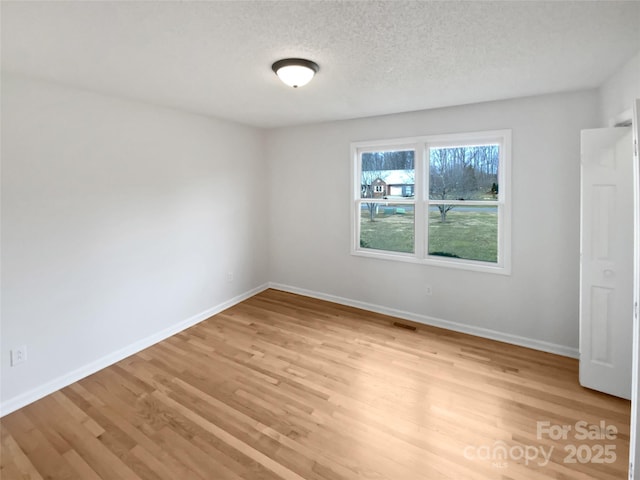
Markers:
(440, 200)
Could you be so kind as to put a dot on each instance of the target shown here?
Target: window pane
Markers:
(387, 226)
(464, 173)
(389, 174)
(469, 232)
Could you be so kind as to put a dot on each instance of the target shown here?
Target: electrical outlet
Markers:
(18, 355)
(230, 277)
(428, 291)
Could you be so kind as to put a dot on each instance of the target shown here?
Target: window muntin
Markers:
(453, 201)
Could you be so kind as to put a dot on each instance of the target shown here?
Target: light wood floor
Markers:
(287, 387)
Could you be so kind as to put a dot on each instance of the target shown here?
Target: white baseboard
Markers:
(37, 393)
(436, 322)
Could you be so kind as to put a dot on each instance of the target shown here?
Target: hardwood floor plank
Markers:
(13, 461)
(77, 413)
(287, 387)
(81, 467)
(34, 444)
(223, 435)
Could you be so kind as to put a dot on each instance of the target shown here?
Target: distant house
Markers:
(391, 183)
(379, 188)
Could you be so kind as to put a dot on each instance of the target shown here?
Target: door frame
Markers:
(634, 454)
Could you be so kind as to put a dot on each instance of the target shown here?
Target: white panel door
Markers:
(606, 260)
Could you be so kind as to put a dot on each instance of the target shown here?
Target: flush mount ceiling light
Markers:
(295, 72)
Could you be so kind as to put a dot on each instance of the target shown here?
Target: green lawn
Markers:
(390, 231)
(469, 235)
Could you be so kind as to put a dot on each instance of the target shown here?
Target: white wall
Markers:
(310, 223)
(120, 220)
(618, 93)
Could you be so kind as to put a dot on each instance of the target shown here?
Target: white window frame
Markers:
(421, 200)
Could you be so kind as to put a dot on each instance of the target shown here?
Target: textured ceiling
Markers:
(375, 58)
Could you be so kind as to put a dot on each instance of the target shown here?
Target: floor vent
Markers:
(405, 326)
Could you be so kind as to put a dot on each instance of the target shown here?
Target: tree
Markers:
(442, 178)
(372, 166)
(462, 173)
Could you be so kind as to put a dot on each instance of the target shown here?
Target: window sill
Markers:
(470, 265)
